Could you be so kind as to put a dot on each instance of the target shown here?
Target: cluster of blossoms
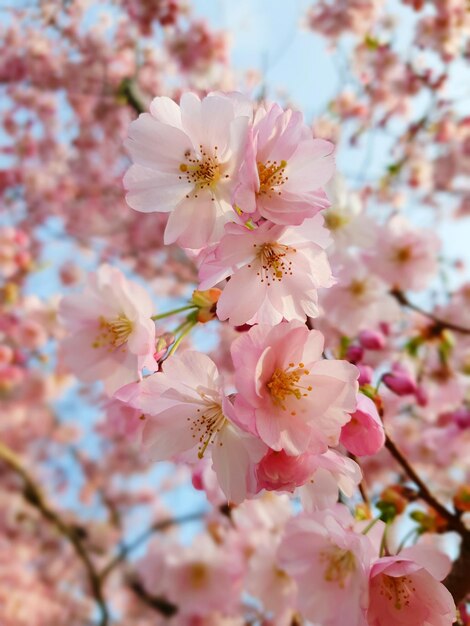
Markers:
(323, 567)
(247, 192)
(327, 315)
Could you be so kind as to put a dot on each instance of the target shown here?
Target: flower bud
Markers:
(354, 354)
(366, 374)
(206, 302)
(372, 340)
(400, 381)
(462, 499)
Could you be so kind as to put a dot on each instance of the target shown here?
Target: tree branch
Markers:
(439, 323)
(34, 496)
(454, 522)
(161, 605)
(132, 545)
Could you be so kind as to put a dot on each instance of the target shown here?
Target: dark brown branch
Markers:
(130, 92)
(458, 581)
(454, 522)
(34, 496)
(439, 323)
(161, 605)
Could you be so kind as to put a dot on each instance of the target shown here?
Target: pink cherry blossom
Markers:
(364, 433)
(188, 413)
(333, 473)
(274, 271)
(185, 161)
(404, 256)
(363, 295)
(330, 563)
(288, 395)
(111, 334)
(405, 590)
(284, 169)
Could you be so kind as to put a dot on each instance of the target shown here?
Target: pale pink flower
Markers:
(185, 161)
(111, 333)
(203, 577)
(289, 396)
(284, 169)
(404, 256)
(188, 413)
(363, 295)
(364, 434)
(333, 473)
(330, 564)
(345, 218)
(275, 272)
(405, 589)
(271, 584)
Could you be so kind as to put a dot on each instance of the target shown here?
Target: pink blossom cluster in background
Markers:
(234, 341)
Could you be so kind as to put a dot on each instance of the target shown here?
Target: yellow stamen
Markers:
(284, 383)
(341, 564)
(113, 333)
(271, 175)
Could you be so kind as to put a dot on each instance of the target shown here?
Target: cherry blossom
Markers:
(284, 170)
(111, 334)
(280, 268)
(287, 394)
(186, 158)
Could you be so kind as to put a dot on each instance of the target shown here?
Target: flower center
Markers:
(340, 565)
(198, 575)
(271, 175)
(205, 426)
(397, 589)
(204, 172)
(113, 333)
(285, 383)
(403, 255)
(335, 221)
(274, 261)
(357, 288)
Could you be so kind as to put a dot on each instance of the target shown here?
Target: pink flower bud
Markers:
(354, 354)
(162, 344)
(366, 374)
(372, 340)
(364, 433)
(400, 381)
(279, 471)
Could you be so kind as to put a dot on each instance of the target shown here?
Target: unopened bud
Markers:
(206, 302)
(462, 499)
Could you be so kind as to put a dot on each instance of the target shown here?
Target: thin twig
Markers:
(140, 539)
(440, 323)
(34, 496)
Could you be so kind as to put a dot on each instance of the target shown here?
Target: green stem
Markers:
(184, 332)
(383, 543)
(371, 524)
(173, 312)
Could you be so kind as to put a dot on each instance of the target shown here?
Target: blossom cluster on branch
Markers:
(244, 313)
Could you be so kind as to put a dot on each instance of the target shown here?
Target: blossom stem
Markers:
(161, 316)
(185, 331)
(370, 525)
